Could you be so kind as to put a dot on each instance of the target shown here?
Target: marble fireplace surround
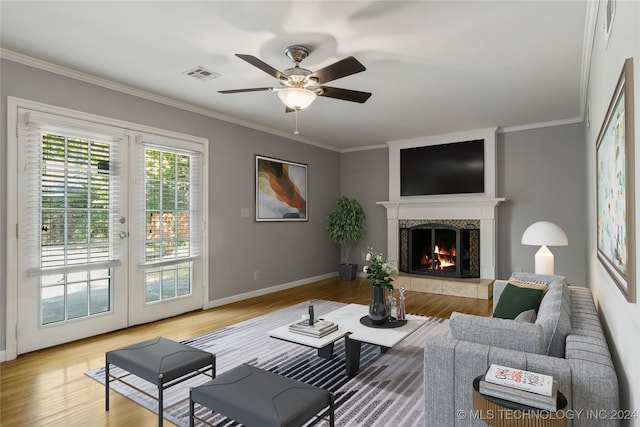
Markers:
(482, 207)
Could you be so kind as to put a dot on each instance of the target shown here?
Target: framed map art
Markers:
(615, 187)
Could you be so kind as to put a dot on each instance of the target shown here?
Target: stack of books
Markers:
(319, 329)
(524, 387)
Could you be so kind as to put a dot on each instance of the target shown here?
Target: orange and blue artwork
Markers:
(281, 190)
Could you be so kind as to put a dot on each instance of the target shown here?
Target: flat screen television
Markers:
(456, 168)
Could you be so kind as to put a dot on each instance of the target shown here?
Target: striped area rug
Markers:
(388, 390)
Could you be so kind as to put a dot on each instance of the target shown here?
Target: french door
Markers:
(109, 228)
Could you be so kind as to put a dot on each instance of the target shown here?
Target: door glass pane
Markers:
(152, 286)
(52, 304)
(168, 223)
(168, 284)
(77, 295)
(184, 280)
(99, 296)
(75, 212)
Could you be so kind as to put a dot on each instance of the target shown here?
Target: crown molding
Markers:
(171, 102)
(541, 125)
(587, 48)
(150, 96)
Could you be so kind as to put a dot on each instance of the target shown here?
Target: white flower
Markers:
(368, 257)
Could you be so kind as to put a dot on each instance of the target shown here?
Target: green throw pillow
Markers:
(514, 300)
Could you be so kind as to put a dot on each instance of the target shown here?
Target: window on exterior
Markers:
(169, 207)
(73, 187)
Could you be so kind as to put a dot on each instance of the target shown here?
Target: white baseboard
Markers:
(265, 291)
(3, 356)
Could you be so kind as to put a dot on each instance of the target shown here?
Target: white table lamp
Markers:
(544, 233)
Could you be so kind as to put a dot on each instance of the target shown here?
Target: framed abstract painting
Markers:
(615, 187)
(281, 190)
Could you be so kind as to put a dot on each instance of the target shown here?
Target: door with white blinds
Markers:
(110, 228)
(168, 203)
(72, 256)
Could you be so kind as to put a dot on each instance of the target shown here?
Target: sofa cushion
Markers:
(554, 319)
(514, 300)
(496, 332)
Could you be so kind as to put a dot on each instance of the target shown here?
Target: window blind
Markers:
(170, 182)
(73, 194)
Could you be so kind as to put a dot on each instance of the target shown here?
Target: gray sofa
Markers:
(565, 341)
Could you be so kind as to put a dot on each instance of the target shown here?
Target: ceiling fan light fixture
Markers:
(296, 98)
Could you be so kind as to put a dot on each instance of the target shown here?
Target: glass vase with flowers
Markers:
(380, 272)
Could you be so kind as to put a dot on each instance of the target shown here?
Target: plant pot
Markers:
(348, 271)
(378, 308)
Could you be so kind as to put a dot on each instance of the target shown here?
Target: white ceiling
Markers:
(433, 66)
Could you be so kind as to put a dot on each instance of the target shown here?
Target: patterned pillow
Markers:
(540, 279)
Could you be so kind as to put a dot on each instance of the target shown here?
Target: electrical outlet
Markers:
(256, 275)
(244, 213)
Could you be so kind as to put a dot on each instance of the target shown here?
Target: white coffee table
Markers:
(354, 333)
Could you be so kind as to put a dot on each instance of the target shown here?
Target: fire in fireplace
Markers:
(436, 249)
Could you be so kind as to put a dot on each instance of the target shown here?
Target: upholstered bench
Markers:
(258, 398)
(160, 361)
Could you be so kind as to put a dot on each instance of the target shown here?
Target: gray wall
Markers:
(282, 252)
(542, 174)
(621, 319)
(290, 252)
(365, 176)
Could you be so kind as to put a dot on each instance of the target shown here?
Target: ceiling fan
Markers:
(299, 87)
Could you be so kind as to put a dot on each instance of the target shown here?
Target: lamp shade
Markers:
(544, 233)
(296, 98)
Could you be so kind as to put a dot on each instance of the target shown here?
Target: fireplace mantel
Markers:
(446, 202)
(456, 207)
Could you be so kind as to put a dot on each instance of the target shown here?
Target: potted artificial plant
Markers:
(345, 225)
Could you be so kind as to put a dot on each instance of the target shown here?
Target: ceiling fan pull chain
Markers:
(296, 132)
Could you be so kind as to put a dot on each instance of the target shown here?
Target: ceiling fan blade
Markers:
(262, 65)
(345, 94)
(339, 69)
(255, 89)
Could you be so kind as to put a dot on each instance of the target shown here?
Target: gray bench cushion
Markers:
(256, 397)
(159, 356)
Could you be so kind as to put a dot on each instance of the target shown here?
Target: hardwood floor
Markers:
(49, 388)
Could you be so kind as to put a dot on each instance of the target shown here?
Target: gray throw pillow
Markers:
(527, 316)
(554, 319)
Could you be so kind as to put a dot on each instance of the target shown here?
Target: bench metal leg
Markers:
(192, 411)
(332, 408)
(106, 386)
(160, 401)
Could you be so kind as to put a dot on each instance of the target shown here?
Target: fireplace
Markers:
(404, 212)
(443, 248)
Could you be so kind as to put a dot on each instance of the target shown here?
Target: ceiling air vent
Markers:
(201, 74)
